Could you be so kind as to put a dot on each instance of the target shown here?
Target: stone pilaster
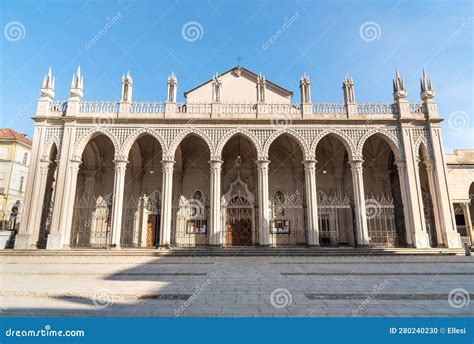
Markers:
(311, 202)
(468, 221)
(439, 223)
(410, 184)
(27, 239)
(23, 238)
(117, 206)
(65, 223)
(56, 236)
(441, 190)
(359, 202)
(166, 204)
(215, 233)
(263, 211)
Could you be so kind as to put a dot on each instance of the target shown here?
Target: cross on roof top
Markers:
(238, 58)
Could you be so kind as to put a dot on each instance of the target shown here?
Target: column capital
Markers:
(401, 162)
(262, 161)
(310, 161)
(356, 164)
(215, 161)
(120, 158)
(168, 166)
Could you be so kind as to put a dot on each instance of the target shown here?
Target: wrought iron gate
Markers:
(335, 220)
(287, 226)
(91, 226)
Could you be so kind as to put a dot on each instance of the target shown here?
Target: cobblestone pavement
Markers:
(237, 286)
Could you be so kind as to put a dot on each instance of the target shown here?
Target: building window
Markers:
(25, 158)
(22, 179)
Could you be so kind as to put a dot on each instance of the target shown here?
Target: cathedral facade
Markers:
(237, 164)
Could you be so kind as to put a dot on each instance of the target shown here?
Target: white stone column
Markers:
(468, 221)
(407, 213)
(117, 205)
(263, 211)
(70, 186)
(166, 203)
(215, 231)
(411, 187)
(311, 202)
(439, 223)
(359, 202)
(29, 239)
(441, 191)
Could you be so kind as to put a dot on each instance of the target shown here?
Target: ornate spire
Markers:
(399, 90)
(172, 88)
(261, 86)
(305, 89)
(426, 87)
(348, 88)
(77, 85)
(47, 87)
(216, 88)
(127, 84)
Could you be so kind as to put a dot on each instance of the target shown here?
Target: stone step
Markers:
(238, 251)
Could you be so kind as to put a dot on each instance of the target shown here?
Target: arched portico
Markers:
(384, 198)
(92, 208)
(286, 185)
(337, 194)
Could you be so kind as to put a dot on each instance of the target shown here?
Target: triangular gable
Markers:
(238, 86)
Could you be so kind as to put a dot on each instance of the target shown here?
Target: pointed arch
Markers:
(247, 134)
(137, 134)
(391, 139)
(186, 133)
(422, 143)
(294, 135)
(345, 140)
(47, 149)
(81, 142)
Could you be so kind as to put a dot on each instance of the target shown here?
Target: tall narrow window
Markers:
(25, 158)
(22, 179)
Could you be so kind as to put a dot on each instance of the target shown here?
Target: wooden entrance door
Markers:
(153, 231)
(239, 232)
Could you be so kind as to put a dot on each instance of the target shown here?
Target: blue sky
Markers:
(323, 38)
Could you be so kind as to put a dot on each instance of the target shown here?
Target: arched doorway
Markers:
(47, 211)
(335, 193)
(93, 202)
(191, 188)
(239, 186)
(286, 179)
(384, 207)
(141, 212)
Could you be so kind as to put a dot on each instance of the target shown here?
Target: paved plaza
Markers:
(131, 286)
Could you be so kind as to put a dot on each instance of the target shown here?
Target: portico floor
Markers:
(194, 285)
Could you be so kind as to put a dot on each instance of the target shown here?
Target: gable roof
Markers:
(12, 135)
(280, 89)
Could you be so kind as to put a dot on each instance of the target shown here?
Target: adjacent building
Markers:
(15, 156)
